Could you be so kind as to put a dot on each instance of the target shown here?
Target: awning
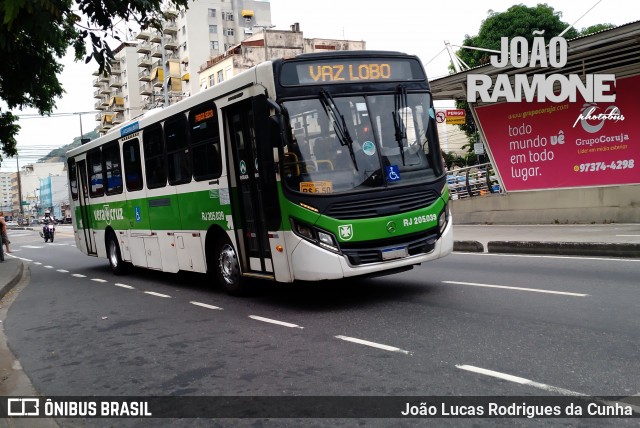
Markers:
(247, 13)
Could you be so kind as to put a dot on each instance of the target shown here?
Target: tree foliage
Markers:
(518, 20)
(35, 35)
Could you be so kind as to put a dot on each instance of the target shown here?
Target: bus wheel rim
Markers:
(112, 254)
(227, 262)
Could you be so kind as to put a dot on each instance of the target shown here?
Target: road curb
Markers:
(16, 268)
(599, 249)
(468, 246)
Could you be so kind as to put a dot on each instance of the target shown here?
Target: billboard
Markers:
(547, 145)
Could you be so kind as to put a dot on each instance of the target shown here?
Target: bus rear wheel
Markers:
(115, 258)
(227, 268)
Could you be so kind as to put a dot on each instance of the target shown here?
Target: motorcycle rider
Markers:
(48, 218)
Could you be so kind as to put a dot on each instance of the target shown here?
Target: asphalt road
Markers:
(469, 324)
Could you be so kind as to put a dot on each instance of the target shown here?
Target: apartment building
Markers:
(6, 179)
(173, 55)
(117, 94)
(267, 44)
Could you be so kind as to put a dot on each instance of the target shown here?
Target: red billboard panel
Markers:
(574, 144)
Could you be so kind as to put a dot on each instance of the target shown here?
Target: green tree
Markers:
(35, 35)
(518, 20)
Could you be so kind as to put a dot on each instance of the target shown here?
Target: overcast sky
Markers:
(413, 26)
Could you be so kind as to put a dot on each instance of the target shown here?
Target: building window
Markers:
(229, 16)
(212, 13)
(229, 31)
(214, 45)
(184, 30)
(213, 28)
(212, 80)
(220, 76)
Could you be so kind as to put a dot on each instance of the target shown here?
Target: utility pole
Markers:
(19, 188)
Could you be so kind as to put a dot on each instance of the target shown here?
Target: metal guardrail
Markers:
(470, 181)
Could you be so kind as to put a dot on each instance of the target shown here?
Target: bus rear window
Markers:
(73, 179)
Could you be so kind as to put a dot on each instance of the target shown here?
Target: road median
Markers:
(593, 249)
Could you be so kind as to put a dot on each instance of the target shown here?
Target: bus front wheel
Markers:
(114, 256)
(227, 268)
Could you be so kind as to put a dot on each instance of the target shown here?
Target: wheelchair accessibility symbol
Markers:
(393, 173)
(138, 216)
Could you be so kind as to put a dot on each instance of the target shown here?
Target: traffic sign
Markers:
(456, 117)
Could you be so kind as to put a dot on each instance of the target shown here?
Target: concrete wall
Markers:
(618, 204)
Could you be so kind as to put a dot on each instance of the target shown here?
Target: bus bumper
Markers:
(313, 263)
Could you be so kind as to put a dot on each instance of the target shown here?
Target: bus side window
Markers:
(132, 165)
(112, 167)
(94, 164)
(73, 178)
(175, 135)
(154, 157)
(205, 142)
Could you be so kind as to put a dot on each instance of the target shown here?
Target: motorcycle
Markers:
(48, 231)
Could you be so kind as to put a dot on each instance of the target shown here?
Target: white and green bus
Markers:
(317, 167)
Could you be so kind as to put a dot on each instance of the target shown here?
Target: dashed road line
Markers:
(536, 290)
(78, 275)
(204, 305)
(48, 267)
(373, 344)
(117, 284)
(62, 271)
(271, 321)
(37, 263)
(153, 293)
(98, 280)
(519, 380)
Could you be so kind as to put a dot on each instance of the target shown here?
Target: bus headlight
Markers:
(319, 237)
(442, 219)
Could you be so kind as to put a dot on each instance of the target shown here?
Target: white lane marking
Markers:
(32, 246)
(535, 290)
(79, 275)
(48, 267)
(520, 380)
(542, 256)
(269, 320)
(37, 263)
(117, 284)
(22, 258)
(635, 236)
(98, 280)
(373, 344)
(204, 305)
(157, 294)
(62, 271)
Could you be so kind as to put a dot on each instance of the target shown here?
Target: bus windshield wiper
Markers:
(339, 124)
(399, 118)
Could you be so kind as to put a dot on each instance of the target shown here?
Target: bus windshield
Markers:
(351, 143)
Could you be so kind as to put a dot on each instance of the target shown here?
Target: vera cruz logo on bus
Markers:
(346, 231)
(107, 214)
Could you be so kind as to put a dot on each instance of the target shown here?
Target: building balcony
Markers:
(144, 76)
(170, 27)
(156, 37)
(117, 118)
(157, 52)
(96, 94)
(116, 82)
(97, 83)
(105, 90)
(171, 43)
(115, 68)
(146, 89)
(105, 78)
(98, 106)
(144, 48)
(145, 61)
(143, 35)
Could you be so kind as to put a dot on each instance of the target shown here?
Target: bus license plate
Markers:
(394, 253)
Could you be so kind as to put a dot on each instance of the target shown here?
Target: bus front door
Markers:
(83, 199)
(248, 199)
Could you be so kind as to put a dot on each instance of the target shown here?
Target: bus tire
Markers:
(227, 268)
(118, 266)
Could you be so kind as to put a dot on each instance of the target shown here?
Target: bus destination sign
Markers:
(349, 71)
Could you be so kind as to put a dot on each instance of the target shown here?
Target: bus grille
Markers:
(381, 206)
(371, 251)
